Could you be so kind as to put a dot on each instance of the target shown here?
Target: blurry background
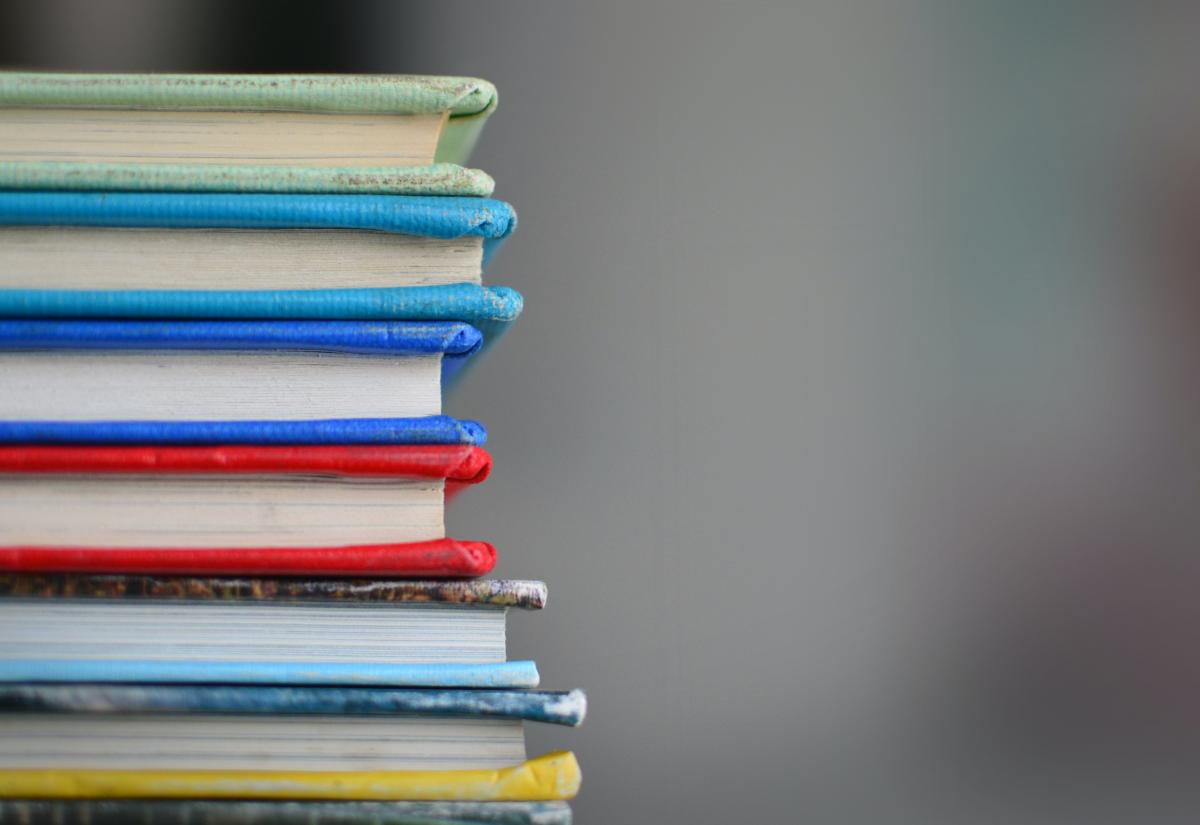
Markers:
(852, 417)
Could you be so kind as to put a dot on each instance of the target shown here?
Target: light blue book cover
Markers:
(515, 674)
(434, 217)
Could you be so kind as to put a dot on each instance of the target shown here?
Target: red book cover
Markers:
(440, 558)
(459, 465)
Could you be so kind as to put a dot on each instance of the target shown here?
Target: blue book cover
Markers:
(455, 342)
(434, 429)
(435, 217)
(555, 707)
(490, 309)
(515, 674)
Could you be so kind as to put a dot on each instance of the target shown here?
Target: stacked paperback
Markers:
(229, 309)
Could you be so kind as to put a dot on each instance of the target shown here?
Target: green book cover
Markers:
(459, 107)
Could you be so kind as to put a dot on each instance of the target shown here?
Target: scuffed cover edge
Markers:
(440, 179)
(529, 595)
(554, 707)
(246, 812)
(367, 94)
(433, 217)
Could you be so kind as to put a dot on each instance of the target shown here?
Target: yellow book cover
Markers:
(550, 777)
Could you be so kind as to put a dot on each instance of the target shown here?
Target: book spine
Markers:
(442, 558)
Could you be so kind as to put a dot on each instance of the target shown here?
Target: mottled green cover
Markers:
(239, 812)
(395, 94)
(468, 100)
(439, 179)
(481, 592)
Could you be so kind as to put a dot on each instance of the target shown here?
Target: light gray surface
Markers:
(853, 393)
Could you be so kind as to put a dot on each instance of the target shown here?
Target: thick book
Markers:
(267, 631)
(210, 498)
(265, 812)
(230, 727)
(299, 133)
(108, 370)
(554, 776)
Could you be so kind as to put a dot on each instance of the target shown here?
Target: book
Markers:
(392, 133)
(200, 727)
(553, 776)
(270, 631)
(230, 496)
(257, 812)
(241, 241)
(106, 370)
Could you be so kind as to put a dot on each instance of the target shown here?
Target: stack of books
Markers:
(229, 309)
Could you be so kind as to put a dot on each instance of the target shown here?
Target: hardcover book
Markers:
(276, 631)
(102, 370)
(245, 728)
(283, 133)
(208, 500)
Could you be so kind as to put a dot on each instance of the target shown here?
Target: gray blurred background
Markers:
(852, 417)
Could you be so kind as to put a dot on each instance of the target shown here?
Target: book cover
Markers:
(434, 429)
(459, 465)
(250, 812)
(490, 309)
(466, 101)
(439, 558)
(406, 215)
(554, 707)
(554, 776)
(454, 342)
(514, 674)
(440, 179)
(528, 595)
